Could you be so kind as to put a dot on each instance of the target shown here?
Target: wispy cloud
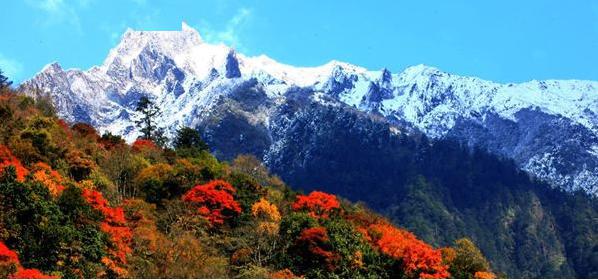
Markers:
(230, 34)
(59, 11)
(11, 68)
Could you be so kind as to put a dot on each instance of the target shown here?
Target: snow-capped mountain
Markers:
(549, 128)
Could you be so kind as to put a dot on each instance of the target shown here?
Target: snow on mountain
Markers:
(550, 128)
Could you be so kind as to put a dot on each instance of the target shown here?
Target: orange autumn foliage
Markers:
(419, 260)
(143, 145)
(50, 178)
(284, 274)
(10, 258)
(7, 159)
(115, 225)
(484, 275)
(214, 201)
(317, 204)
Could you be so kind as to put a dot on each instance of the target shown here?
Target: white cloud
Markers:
(11, 68)
(58, 11)
(230, 34)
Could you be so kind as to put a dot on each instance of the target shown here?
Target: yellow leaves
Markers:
(265, 210)
(268, 216)
(484, 275)
(269, 228)
(157, 171)
(86, 184)
(357, 259)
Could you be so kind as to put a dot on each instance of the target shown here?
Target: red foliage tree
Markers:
(85, 130)
(419, 260)
(318, 204)
(214, 201)
(65, 128)
(144, 145)
(30, 273)
(7, 256)
(10, 258)
(115, 225)
(317, 244)
(7, 158)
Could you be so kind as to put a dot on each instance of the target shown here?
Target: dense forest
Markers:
(441, 190)
(77, 204)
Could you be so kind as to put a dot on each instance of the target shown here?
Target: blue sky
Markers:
(506, 41)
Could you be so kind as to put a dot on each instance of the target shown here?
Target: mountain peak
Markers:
(53, 67)
(168, 42)
(187, 29)
(421, 69)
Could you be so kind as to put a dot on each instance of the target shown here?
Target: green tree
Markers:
(188, 142)
(468, 260)
(147, 122)
(52, 235)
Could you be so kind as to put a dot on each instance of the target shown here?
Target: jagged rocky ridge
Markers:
(549, 128)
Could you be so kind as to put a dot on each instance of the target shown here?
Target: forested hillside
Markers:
(77, 204)
(441, 190)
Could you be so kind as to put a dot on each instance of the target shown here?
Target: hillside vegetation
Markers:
(74, 204)
(441, 190)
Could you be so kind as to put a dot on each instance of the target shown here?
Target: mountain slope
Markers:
(74, 204)
(440, 190)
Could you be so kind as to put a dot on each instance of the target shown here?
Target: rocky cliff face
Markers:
(550, 128)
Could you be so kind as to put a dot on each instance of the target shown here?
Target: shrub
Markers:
(115, 225)
(50, 178)
(7, 159)
(468, 260)
(153, 181)
(317, 204)
(419, 260)
(214, 201)
(267, 215)
(10, 267)
(80, 165)
(313, 246)
(85, 130)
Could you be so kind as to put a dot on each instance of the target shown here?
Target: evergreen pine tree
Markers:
(188, 142)
(147, 123)
(187, 137)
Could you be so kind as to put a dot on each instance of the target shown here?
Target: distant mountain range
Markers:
(549, 128)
